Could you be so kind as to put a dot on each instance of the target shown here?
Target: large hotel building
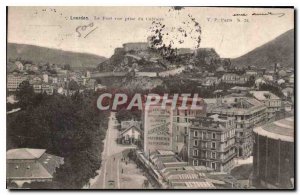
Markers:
(212, 136)
(167, 128)
(212, 142)
(247, 112)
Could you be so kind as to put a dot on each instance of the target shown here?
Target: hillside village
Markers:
(201, 69)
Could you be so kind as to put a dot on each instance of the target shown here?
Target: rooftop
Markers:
(24, 154)
(282, 129)
(264, 95)
(233, 105)
(31, 164)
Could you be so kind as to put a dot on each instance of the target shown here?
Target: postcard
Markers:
(145, 98)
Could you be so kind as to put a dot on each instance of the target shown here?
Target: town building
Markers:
(212, 142)
(14, 81)
(130, 135)
(248, 113)
(288, 106)
(37, 87)
(47, 88)
(220, 69)
(288, 92)
(180, 124)
(268, 77)
(27, 66)
(273, 155)
(166, 128)
(272, 102)
(54, 80)
(19, 65)
(210, 81)
(260, 81)
(90, 84)
(172, 173)
(35, 79)
(129, 123)
(27, 165)
(232, 78)
(239, 90)
(251, 72)
(45, 78)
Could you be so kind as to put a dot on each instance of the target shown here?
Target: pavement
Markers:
(115, 173)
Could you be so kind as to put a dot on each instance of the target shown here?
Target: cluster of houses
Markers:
(50, 79)
(283, 77)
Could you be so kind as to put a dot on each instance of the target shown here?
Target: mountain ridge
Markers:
(279, 50)
(40, 54)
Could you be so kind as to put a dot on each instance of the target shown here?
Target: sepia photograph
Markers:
(150, 98)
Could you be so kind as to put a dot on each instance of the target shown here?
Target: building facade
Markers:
(248, 113)
(167, 128)
(14, 81)
(271, 101)
(212, 142)
(232, 78)
(130, 135)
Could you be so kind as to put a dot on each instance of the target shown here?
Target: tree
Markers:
(70, 127)
(124, 114)
(73, 85)
(25, 94)
(272, 88)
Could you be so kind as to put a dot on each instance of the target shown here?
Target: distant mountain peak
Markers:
(279, 50)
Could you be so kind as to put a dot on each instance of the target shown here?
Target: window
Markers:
(213, 166)
(195, 162)
(213, 135)
(196, 152)
(213, 145)
(185, 130)
(195, 142)
(195, 133)
(213, 155)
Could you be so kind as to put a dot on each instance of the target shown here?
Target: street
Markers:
(115, 173)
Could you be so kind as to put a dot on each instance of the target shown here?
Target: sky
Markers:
(231, 36)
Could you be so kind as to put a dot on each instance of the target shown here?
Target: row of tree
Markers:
(69, 127)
